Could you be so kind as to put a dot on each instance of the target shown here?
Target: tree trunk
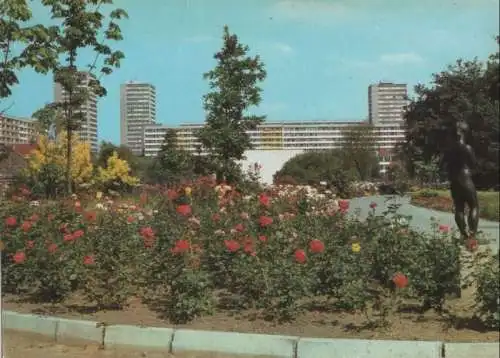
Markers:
(69, 148)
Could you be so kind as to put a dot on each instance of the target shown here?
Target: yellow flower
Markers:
(356, 247)
(98, 195)
(188, 191)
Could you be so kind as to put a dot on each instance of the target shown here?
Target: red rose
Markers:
(316, 246)
(232, 245)
(300, 256)
(88, 260)
(265, 221)
(181, 246)
(184, 209)
(264, 199)
(19, 257)
(11, 221)
(26, 226)
(400, 280)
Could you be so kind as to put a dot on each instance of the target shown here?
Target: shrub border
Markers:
(172, 340)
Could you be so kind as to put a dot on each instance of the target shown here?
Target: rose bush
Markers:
(189, 250)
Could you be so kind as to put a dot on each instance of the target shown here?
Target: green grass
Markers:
(441, 200)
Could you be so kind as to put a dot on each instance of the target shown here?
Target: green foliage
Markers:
(466, 91)
(81, 26)
(234, 84)
(190, 296)
(359, 149)
(111, 278)
(316, 166)
(21, 44)
(398, 175)
(48, 117)
(49, 181)
(171, 164)
(185, 251)
(4, 151)
(488, 291)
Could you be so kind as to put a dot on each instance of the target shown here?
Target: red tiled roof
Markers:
(23, 149)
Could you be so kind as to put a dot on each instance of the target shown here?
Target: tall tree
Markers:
(466, 91)
(81, 26)
(48, 118)
(234, 84)
(172, 163)
(21, 44)
(359, 148)
(107, 149)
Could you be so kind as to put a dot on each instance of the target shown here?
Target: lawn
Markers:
(441, 200)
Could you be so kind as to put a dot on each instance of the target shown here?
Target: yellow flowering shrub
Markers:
(54, 152)
(117, 170)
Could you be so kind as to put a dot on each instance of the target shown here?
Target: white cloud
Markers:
(402, 58)
(308, 10)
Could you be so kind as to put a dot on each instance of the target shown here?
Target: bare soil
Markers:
(21, 345)
(457, 326)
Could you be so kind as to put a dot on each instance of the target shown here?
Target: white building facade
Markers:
(87, 130)
(137, 110)
(17, 130)
(285, 137)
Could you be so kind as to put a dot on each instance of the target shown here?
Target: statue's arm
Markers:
(472, 157)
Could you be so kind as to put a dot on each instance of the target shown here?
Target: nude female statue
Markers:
(460, 161)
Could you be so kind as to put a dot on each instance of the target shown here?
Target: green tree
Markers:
(107, 149)
(81, 26)
(316, 166)
(234, 84)
(21, 44)
(138, 164)
(172, 163)
(359, 149)
(46, 117)
(466, 91)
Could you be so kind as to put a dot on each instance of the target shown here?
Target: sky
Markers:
(320, 55)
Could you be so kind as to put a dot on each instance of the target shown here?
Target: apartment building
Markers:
(386, 103)
(87, 130)
(137, 110)
(16, 130)
(285, 136)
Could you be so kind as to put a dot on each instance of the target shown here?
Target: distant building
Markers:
(386, 103)
(16, 130)
(88, 127)
(284, 136)
(137, 110)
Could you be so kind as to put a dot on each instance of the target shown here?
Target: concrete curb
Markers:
(171, 340)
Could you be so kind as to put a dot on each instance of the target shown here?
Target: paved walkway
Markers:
(421, 217)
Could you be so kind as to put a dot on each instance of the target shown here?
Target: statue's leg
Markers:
(459, 204)
(473, 217)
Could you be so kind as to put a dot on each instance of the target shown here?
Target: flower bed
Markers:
(205, 256)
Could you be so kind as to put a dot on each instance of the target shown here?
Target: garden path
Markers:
(421, 217)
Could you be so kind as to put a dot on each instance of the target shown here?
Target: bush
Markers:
(189, 249)
(488, 292)
(311, 168)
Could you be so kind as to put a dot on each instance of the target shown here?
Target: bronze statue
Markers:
(460, 161)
